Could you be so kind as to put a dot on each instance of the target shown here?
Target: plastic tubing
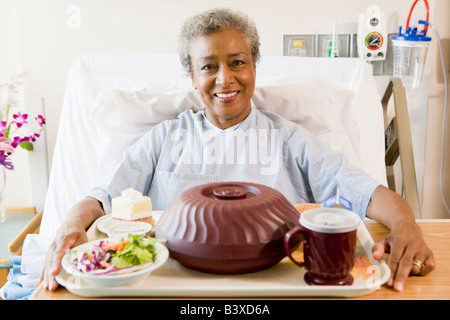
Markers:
(425, 28)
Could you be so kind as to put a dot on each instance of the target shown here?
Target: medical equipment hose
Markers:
(427, 7)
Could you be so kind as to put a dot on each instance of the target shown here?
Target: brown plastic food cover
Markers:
(228, 227)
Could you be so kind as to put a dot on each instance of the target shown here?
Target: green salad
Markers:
(115, 255)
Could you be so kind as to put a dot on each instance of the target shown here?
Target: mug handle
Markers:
(287, 244)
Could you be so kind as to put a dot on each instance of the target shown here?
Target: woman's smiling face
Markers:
(224, 74)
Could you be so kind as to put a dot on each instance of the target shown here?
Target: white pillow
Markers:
(123, 115)
(316, 104)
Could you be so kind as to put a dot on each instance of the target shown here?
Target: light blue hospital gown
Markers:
(265, 148)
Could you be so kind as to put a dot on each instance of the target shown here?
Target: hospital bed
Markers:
(110, 101)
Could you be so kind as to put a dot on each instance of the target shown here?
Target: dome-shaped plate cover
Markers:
(228, 227)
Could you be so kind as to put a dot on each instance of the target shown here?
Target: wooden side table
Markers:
(434, 286)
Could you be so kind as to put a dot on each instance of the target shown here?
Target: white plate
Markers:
(281, 280)
(106, 222)
(162, 255)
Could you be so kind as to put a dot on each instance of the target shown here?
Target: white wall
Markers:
(48, 34)
(433, 206)
(18, 182)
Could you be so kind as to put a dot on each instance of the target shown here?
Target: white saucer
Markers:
(106, 222)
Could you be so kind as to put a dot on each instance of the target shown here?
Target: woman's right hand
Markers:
(69, 235)
(72, 233)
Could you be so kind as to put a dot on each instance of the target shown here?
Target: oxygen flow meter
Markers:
(372, 34)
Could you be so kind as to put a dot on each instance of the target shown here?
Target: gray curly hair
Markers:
(212, 21)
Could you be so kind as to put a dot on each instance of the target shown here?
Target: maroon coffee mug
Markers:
(329, 243)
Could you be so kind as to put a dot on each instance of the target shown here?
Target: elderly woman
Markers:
(219, 49)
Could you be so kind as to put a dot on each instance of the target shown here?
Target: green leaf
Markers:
(8, 129)
(26, 145)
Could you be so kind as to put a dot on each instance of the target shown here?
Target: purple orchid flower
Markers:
(40, 120)
(4, 161)
(20, 118)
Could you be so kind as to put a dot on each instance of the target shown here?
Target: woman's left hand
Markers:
(408, 254)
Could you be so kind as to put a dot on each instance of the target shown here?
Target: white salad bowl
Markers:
(162, 254)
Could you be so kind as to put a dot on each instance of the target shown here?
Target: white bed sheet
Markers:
(82, 146)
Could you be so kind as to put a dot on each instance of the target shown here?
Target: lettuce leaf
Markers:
(139, 251)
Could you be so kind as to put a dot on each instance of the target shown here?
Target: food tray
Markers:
(282, 280)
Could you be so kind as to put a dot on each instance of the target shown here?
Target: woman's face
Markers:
(224, 74)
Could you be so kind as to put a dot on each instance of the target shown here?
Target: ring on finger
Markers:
(418, 263)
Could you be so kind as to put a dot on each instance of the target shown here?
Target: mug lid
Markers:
(330, 220)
